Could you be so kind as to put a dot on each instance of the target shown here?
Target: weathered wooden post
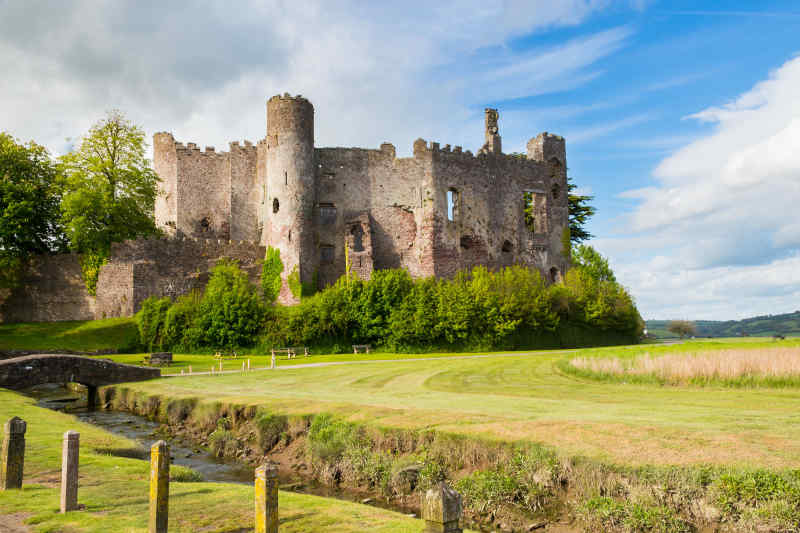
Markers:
(267, 499)
(69, 471)
(220, 365)
(441, 510)
(13, 460)
(273, 359)
(159, 487)
(190, 369)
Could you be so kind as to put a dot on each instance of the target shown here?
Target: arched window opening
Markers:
(275, 205)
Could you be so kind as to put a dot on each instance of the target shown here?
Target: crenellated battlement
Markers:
(286, 97)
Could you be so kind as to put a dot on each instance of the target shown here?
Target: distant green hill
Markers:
(757, 326)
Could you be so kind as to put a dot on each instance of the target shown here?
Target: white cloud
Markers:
(724, 213)
(374, 71)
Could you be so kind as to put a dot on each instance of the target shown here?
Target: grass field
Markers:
(114, 490)
(83, 336)
(527, 397)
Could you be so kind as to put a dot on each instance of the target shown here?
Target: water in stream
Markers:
(212, 468)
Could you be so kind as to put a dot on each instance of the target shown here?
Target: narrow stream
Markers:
(143, 432)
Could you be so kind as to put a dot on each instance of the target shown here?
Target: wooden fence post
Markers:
(441, 510)
(69, 471)
(267, 499)
(159, 487)
(13, 459)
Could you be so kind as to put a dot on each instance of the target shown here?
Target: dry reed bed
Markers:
(726, 365)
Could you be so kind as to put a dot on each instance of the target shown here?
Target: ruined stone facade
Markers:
(437, 212)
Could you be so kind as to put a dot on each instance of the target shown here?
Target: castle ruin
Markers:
(437, 212)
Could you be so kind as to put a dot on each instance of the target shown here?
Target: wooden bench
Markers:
(365, 348)
(158, 359)
(291, 352)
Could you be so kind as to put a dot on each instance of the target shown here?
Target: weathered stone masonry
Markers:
(437, 212)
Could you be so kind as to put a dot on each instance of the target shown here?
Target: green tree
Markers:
(579, 213)
(682, 328)
(231, 311)
(29, 207)
(596, 265)
(110, 191)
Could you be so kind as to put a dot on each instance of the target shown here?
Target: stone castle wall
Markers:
(54, 290)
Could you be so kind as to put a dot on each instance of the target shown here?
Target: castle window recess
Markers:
(453, 201)
(529, 210)
(327, 213)
(358, 237)
(326, 254)
(276, 205)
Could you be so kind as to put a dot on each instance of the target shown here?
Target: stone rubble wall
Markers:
(53, 289)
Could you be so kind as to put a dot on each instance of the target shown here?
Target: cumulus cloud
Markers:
(375, 71)
(724, 212)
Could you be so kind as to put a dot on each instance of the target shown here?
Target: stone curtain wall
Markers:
(54, 290)
(167, 267)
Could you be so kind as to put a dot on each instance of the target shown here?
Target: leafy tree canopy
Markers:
(110, 191)
(29, 206)
(593, 262)
(683, 328)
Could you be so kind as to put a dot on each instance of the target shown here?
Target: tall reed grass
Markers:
(766, 366)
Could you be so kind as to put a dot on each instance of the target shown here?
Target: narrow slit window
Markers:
(452, 204)
(285, 178)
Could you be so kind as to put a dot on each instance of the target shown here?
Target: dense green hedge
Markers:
(477, 310)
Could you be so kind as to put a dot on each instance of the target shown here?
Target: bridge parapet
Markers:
(27, 371)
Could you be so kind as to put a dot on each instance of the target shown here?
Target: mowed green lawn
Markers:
(526, 397)
(115, 490)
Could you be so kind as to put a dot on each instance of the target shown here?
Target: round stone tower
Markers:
(290, 187)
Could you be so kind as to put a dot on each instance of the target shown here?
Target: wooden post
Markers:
(273, 359)
(69, 471)
(220, 365)
(190, 369)
(248, 365)
(13, 459)
(441, 510)
(267, 499)
(159, 487)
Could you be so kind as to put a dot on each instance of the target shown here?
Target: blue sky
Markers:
(680, 117)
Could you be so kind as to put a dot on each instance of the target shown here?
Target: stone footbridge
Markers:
(30, 370)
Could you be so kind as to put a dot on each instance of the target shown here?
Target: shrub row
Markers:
(481, 309)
